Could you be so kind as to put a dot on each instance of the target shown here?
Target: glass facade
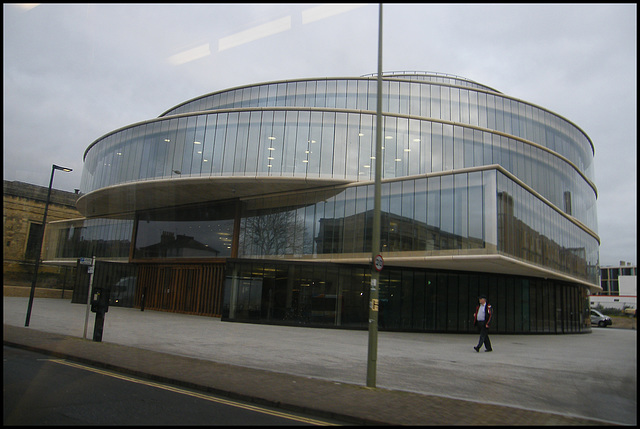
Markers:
(467, 172)
(327, 145)
(410, 299)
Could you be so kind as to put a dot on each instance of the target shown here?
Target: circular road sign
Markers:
(379, 263)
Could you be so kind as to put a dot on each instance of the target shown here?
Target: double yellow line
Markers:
(196, 394)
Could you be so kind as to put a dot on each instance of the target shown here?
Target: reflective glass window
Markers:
(330, 100)
(327, 144)
(455, 104)
(436, 147)
(447, 147)
(230, 144)
(352, 146)
(241, 142)
(445, 103)
(253, 142)
(366, 165)
(340, 143)
(352, 94)
(219, 143)
(415, 148)
(289, 149)
(314, 145)
(146, 148)
(459, 149)
(389, 141)
(302, 152)
(189, 145)
(201, 232)
(461, 211)
(208, 143)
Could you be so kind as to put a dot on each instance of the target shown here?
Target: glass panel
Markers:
(404, 98)
(473, 108)
(447, 147)
(389, 142)
(352, 94)
(327, 144)
(445, 103)
(455, 104)
(476, 210)
(352, 146)
(340, 146)
(136, 145)
(395, 220)
(275, 157)
(198, 142)
(408, 230)
(219, 144)
(178, 148)
(446, 210)
(314, 145)
(436, 148)
(341, 94)
(366, 166)
(414, 152)
(207, 145)
(351, 224)
(420, 215)
(469, 148)
(253, 142)
(321, 93)
(203, 232)
(289, 154)
(458, 148)
(230, 144)
(144, 163)
(331, 93)
(240, 159)
(460, 212)
(433, 213)
(435, 101)
(302, 154)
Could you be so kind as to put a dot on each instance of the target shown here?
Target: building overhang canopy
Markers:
(481, 262)
(154, 194)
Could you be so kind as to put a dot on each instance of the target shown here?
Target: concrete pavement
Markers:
(422, 379)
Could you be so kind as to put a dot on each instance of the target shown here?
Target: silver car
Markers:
(600, 319)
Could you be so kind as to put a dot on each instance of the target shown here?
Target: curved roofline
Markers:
(391, 74)
(493, 92)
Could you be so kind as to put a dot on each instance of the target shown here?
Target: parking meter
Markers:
(99, 305)
(100, 300)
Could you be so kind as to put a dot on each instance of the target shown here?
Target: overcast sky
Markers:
(73, 73)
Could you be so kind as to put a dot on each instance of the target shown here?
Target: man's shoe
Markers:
(489, 350)
(477, 349)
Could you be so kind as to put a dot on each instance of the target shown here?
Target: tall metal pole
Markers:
(40, 240)
(375, 240)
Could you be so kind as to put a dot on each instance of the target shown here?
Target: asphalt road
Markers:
(40, 390)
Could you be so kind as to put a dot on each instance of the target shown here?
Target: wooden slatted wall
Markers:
(191, 288)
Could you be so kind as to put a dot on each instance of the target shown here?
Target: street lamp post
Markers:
(40, 240)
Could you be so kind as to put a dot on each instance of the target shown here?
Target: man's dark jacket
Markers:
(488, 313)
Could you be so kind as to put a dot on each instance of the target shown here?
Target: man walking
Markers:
(482, 319)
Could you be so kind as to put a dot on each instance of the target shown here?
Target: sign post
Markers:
(372, 356)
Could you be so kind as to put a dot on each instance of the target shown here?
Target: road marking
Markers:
(195, 394)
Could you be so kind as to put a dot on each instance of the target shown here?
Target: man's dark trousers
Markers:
(484, 336)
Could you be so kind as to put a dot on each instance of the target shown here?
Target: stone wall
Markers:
(23, 205)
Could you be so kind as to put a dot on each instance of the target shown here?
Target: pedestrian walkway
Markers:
(422, 379)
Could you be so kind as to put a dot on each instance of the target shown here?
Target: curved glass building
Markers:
(256, 204)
